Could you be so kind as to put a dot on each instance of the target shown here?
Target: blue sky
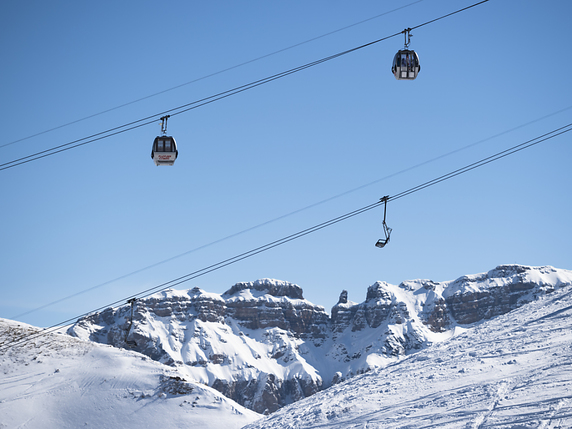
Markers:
(87, 216)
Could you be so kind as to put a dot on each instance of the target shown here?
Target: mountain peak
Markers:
(277, 288)
(378, 290)
(343, 297)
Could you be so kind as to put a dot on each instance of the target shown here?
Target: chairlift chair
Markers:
(386, 230)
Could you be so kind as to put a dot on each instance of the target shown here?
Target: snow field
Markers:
(57, 381)
(514, 371)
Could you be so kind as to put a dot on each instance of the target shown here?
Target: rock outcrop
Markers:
(477, 297)
(273, 304)
(343, 313)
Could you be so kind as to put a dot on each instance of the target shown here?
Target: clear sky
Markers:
(82, 218)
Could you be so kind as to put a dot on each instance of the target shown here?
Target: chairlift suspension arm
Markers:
(132, 302)
(128, 342)
(384, 200)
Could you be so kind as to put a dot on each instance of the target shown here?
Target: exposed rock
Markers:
(437, 317)
(507, 288)
(268, 286)
(273, 304)
(343, 313)
(378, 305)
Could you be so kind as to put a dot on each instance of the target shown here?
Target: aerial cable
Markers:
(485, 161)
(177, 110)
(361, 210)
(289, 214)
(174, 111)
(200, 272)
(202, 102)
(446, 16)
(212, 74)
(65, 147)
(284, 240)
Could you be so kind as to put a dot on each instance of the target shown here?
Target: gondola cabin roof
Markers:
(164, 151)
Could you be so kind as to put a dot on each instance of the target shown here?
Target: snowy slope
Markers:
(56, 381)
(513, 371)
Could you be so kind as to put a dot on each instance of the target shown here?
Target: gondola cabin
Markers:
(406, 65)
(164, 150)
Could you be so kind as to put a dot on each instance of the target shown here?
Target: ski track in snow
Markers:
(514, 371)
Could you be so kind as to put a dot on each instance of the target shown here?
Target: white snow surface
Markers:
(57, 381)
(513, 371)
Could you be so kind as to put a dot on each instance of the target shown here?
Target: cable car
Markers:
(164, 151)
(406, 64)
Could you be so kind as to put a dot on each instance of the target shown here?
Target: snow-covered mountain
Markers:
(264, 346)
(511, 372)
(56, 381)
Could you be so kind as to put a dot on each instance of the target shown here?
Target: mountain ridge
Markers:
(263, 345)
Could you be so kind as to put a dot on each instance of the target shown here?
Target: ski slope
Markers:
(514, 371)
(57, 381)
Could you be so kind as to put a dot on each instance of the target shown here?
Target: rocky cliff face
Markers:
(289, 311)
(482, 296)
(263, 345)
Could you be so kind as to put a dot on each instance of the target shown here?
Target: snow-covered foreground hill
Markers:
(56, 381)
(513, 371)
